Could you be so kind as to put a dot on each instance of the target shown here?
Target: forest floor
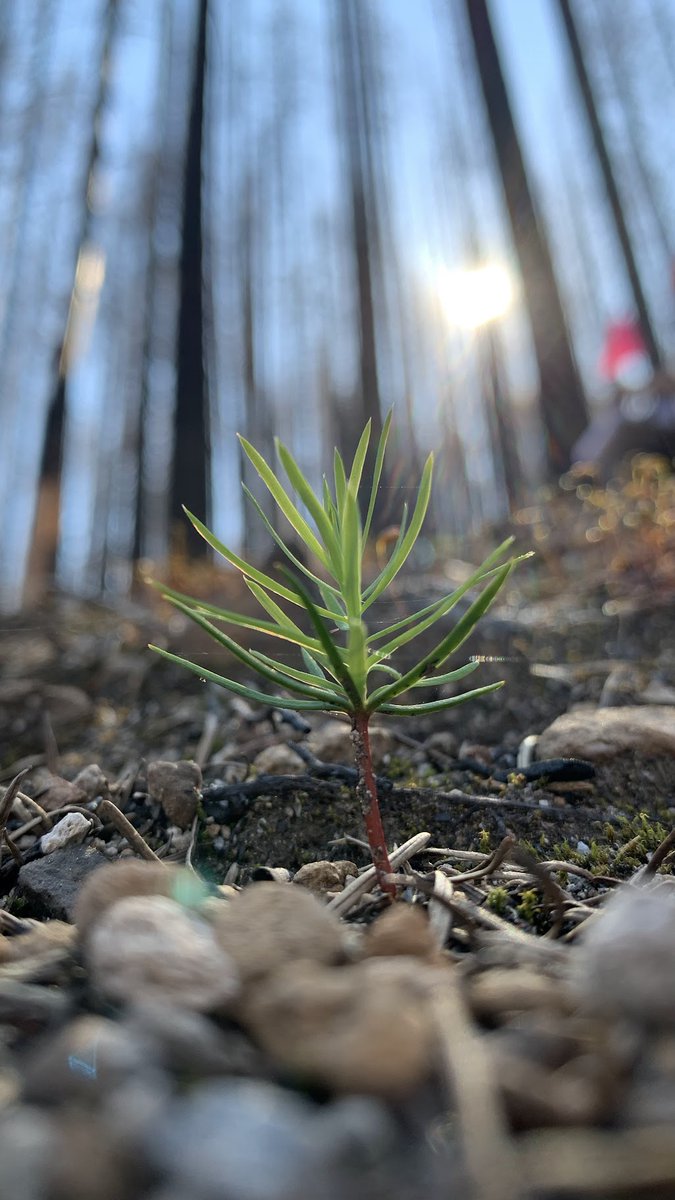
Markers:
(550, 1078)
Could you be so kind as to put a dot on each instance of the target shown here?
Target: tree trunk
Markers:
(613, 196)
(190, 456)
(562, 402)
(361, 203)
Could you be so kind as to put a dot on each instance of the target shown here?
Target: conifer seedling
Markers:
(342, 667)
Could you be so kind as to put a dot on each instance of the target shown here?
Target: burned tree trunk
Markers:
(190, 457)
(562, 401)
(613, 196)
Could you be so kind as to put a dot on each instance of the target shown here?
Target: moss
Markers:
(484, 841)
(497, 900)
(529, 906)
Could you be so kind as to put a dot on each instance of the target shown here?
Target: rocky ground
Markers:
(203, 994)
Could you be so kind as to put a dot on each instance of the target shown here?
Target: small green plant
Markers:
(338, 656)
(497, 900)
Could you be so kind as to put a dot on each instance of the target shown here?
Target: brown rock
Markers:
(598, 734)
(176, 786)
(332, 742)
(270, 924)
(401, 929)
(323, 876)
(278, 760)
(116, 880)
(150, 948)
(52, 792)
(363, 1028)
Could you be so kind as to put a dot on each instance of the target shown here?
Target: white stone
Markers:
(70, 830)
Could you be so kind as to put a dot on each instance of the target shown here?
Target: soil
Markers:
(453, 774)
(532, 1096)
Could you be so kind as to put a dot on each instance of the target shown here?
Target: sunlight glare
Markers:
(475, 296)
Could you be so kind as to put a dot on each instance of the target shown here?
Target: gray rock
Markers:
(88, 1058)
(50, 885)
(625, 965)
(149, 948)
(235, 1141)
(27, 1145)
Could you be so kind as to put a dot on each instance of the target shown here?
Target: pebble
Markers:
(151, 948)
(135, 878)
(626, 962)
(50, 886)
(88, 1058)
(324, 876)
(363, 1028)
(402, 929)
(252, 1139)
(92, 781)
(28, 1143)
(278, 760)
(52, 792)
(176, 786)
(331, 743)
(70, 830)
(268, 1143)
(600, 733)
(268, 925)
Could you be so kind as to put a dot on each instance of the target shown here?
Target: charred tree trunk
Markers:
(42, 563)
(562, 401)
(190, 456)
(361, 205)
(613, 196)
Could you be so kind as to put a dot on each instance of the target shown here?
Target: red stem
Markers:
(366, 790)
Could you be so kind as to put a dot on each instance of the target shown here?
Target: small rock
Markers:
(87, 1058)
(176, 786)
(92, 781)
(401, 929)
(625, 965)
(270, 924)
(185, 1041)
(323, 876)
(151, 948)
(278, 760)
(52, 792)
(363, 1028)
(133, 878)
(50, 886)
(331, 743)
(28, 1143)
(70, 830)
(238, 1138)
(598, 734)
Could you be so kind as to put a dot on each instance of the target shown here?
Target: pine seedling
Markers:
(342, 667)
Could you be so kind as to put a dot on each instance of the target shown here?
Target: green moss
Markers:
(497, 900)
(528, 906)
(484, 841)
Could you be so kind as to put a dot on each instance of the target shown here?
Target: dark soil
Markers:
(554, 651)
